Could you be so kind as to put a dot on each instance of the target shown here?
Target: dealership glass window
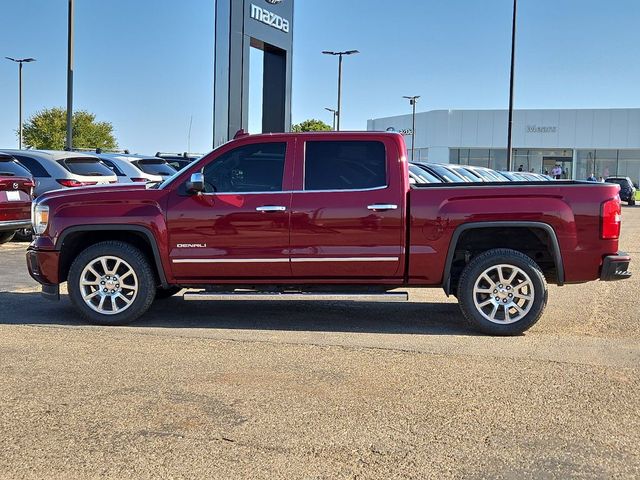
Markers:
(629, 164)
(479, 157)
(606, 163)
(520, 158)
(585, 164)
(345, 165)
(498, 159)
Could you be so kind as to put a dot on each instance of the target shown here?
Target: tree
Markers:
(312, 125)
(47, 130)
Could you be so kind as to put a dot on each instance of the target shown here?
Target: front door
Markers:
(238, 228)
(347, 211)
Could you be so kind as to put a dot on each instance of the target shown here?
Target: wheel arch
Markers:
(467, 228)
(76, 239)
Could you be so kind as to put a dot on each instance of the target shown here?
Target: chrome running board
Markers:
(297, 296)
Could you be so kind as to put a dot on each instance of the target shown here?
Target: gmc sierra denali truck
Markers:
(324, 216)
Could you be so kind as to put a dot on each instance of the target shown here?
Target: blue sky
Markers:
(147, 65)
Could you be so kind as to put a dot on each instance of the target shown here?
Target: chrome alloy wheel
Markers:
(503, 294)
(108, 285)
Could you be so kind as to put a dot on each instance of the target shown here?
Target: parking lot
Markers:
(302, 390)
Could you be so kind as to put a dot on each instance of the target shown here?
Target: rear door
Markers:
(347, 213)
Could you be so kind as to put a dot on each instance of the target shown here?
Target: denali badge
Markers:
(191, 245)
(269, 18)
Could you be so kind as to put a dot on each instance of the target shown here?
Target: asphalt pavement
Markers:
(336, 390)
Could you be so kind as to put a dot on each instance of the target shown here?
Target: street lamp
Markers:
(20, 61)
(412, 101)
(335, 114)
(70, 31)
(340, 55)
(511, 77)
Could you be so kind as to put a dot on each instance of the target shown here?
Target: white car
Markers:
(149, 165)
(127, 171)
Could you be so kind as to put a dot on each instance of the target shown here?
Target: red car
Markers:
(320, 216)
(16, 192)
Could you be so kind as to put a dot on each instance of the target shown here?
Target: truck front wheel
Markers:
(111, 283)
(502, 292)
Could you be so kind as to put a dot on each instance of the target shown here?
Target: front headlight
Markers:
(40, 218)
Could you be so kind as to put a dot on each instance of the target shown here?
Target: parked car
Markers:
(53, 170)
(487, 174)
(627, 189)
(16, 193)
(320, 216)
(441, 171)
(179, 160)
(420, 175)
(126, 170)
(150, 165)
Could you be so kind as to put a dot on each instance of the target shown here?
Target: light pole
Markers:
(335, 114)
(20, 61)
(412, 101)
(340, 55)
(511, 77)
(69, 142)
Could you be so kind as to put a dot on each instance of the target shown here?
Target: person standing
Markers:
(592, 178)
(521, 168)
(556, 172)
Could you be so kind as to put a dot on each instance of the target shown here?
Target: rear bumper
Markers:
(615, 267)
(43, 268)
(8, 225)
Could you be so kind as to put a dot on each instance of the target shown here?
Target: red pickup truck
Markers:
(320, 216)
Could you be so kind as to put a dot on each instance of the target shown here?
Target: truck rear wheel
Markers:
(111, 283)
(502, 292)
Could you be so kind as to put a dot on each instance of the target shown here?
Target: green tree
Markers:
(312, 125)
(47, 130)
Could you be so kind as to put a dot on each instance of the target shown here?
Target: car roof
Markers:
(52, 155)
(128, 156)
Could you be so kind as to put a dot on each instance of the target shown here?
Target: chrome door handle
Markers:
(271, 208)
(382, 206)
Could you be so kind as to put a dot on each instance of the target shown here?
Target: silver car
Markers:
(126, 170)
(147, 164)
(53, 170)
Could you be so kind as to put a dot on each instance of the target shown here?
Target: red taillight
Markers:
(611, 218)
(137, 179)
(29, 184)
(68, 182)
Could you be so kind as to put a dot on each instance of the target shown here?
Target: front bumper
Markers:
(615, 267)
(8, 225)
(43, 268)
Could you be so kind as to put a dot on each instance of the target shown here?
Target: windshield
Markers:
(88, 167)
(155, 167)
(423, 175)
(11, 168)
(448, 175)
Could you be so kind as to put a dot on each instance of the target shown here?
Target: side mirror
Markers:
(196, 183)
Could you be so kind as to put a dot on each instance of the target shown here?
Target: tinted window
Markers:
(345, 165)
(88, 167)
(252, 168)
(114, 167)
(11, 168)
(467, 174)
(155, 167)
(33, 166)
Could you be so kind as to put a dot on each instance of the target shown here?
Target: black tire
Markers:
(632, 202)
(163, 293)
(492, 259)
(139, 264)
(6, 237)
(23, 235)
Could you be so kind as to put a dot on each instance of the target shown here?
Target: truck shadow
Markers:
(418, 318)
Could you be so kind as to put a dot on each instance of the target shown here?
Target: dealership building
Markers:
(605, 142)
